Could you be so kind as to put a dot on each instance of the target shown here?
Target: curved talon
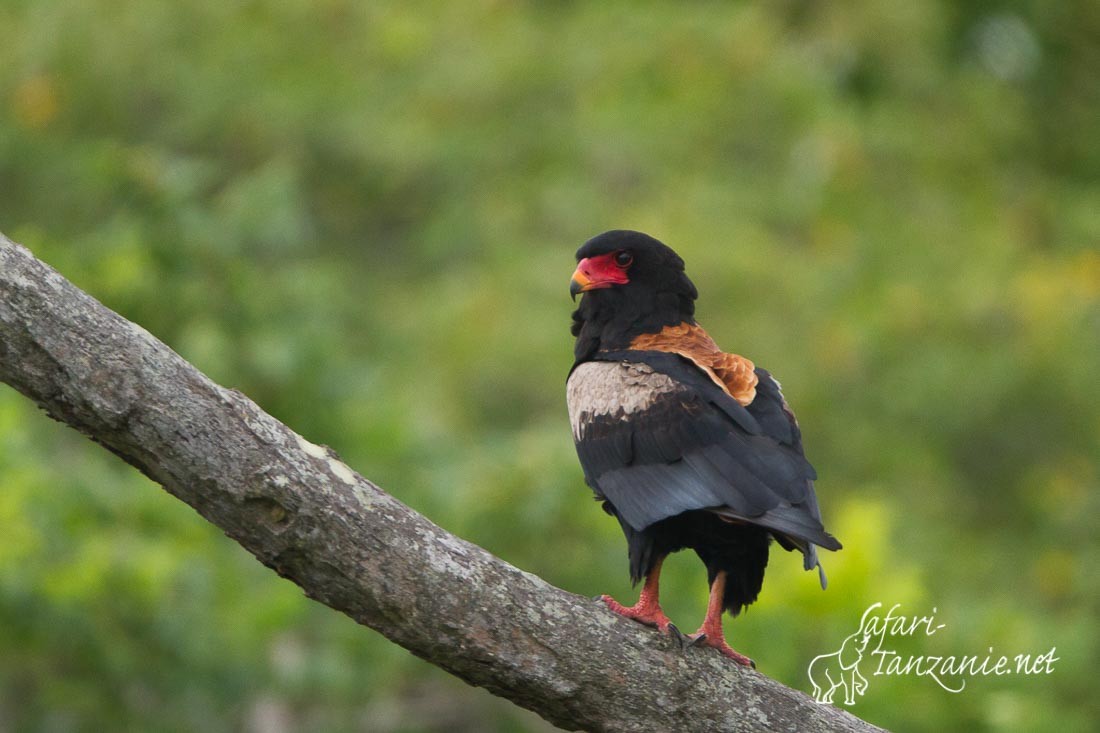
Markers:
(696, 639)
(700, 639)
(680, 637)
(710, 633)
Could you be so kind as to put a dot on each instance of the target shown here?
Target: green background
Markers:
(363, 215)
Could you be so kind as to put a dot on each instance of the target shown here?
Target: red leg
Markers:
(647, 610)
(710, 633)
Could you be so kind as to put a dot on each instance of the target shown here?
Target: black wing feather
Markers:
(698, 448)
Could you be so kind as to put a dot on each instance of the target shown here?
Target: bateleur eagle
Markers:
(687, 446)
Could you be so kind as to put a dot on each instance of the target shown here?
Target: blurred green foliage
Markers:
(363, 215)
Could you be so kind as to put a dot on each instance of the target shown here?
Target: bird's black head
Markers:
(632, 284)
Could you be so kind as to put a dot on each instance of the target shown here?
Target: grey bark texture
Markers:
(349, 545)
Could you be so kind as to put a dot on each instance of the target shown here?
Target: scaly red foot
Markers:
(702, 639)
(645, 611)
(710, 633)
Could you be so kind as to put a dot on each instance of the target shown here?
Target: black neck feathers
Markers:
(657, 293)
(610, 319)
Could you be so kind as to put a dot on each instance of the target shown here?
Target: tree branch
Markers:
(351, 546)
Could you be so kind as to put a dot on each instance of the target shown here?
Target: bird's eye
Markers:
(623, 258)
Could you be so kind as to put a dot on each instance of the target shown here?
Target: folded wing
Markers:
(657, 437)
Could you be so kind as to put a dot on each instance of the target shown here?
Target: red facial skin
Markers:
(598, 272)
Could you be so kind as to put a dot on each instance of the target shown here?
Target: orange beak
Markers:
(580, 281)
(597, 272)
